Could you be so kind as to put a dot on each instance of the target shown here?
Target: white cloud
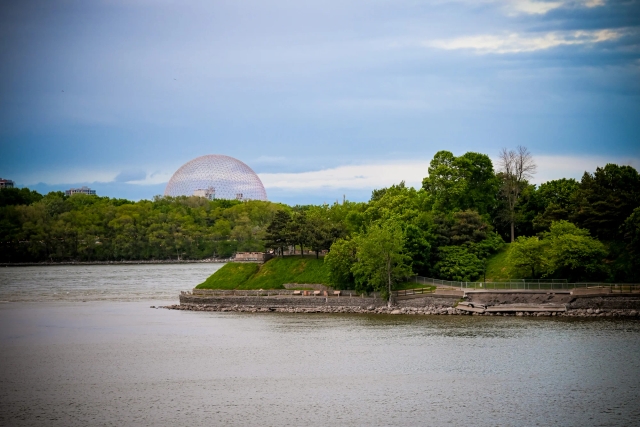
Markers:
(534, 7)
(380, 175)
(364, 176)
(515, 43)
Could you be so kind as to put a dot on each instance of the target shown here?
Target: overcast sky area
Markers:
(320, 98)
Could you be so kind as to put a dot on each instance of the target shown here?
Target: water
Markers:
(120, 282)
(114, 361)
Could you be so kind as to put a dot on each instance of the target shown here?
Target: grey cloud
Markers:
(130, 175)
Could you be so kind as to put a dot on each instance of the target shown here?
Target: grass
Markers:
(412, 285)
(270, 275)
(497, 267)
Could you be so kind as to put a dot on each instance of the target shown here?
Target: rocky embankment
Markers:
(395, 310)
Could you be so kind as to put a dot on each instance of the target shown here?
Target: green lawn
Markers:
(497, 268)
(270, 275)
(413, 285)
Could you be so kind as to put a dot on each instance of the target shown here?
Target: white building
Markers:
(81, 190)
(6, 183)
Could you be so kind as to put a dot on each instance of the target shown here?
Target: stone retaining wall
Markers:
(608, 302)
(433, 304)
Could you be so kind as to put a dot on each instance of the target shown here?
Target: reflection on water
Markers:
(120, 282)
(65, 363)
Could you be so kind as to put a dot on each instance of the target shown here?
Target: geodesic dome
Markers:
(216, 176)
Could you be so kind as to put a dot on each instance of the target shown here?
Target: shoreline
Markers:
(431, 310)
(445, 302)
(172, 261)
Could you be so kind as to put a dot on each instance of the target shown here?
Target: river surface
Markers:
(80, 346)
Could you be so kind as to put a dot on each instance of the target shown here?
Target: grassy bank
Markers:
(270, 275)
(497, 267)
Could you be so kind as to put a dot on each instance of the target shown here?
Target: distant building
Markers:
(6, 183)
(239, 196)
(209, 193)
(81, 190)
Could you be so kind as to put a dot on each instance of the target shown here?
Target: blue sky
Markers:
(320, 98)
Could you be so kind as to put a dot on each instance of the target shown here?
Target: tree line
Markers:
(464, 212)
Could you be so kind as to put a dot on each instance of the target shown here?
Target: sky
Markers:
(322, 99)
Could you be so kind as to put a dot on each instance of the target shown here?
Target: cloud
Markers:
(131, 175)
(516, 43)
(380, 175)
(533, 7)
(364, 176)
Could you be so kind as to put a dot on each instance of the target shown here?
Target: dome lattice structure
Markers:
(216, 176)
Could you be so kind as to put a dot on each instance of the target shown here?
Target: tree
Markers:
(340, 260)
(528, 253)
(516, 167)
(464, 182)
(573, 254)
(458, 263)
(551, 201)
(632, 244)
(381, 261)
(298, 230)
(277, 232)
(418, 248)
(606, 199)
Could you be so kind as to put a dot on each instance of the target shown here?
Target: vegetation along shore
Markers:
(469, 221)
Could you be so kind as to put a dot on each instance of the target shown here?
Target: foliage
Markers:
(459, 263)
(565, 251)
(606, 199)
(527, 256)
(88, 228)
(339, 262)
(380, 258)
(271, 275)
(573, 254)
(18, 196)
(451, 227)
(461, 183)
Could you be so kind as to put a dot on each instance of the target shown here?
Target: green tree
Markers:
(340, 260)
(381, 261)
(458, 263)
(573, 254)
(528, 254)
(277, 236)
(418, 248)
(606, 199)
(18, 196)
(553, 201)
(461, 183)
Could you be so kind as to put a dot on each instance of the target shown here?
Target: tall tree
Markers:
(606, 199)
(277, 232)
(461, 183)
(516, 168)
(381, 260)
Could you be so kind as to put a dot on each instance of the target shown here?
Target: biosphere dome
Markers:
(216, 177)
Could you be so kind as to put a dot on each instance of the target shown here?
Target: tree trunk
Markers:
(513, 231)
(390, 302)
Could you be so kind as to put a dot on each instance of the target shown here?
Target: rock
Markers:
(396, 312)
(589, 311)
(153, 306)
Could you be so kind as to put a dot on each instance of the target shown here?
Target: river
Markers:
(80, 345)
